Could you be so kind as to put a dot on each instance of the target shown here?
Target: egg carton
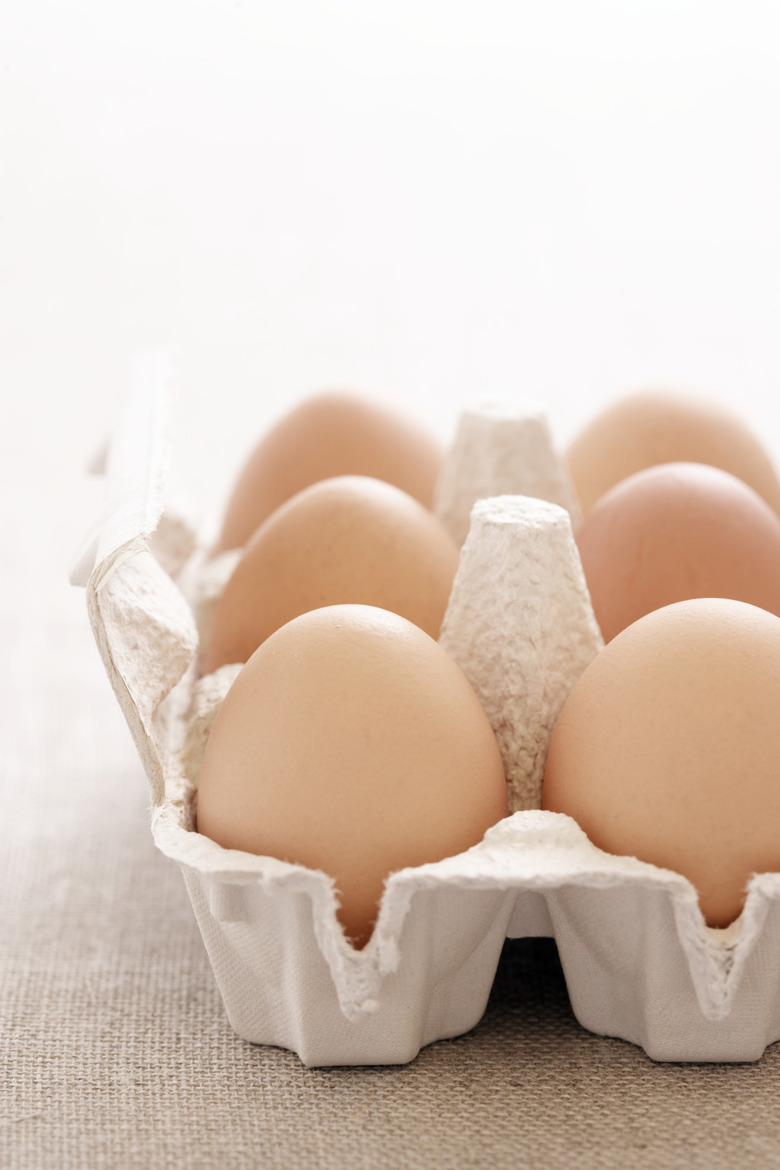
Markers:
(638, 959)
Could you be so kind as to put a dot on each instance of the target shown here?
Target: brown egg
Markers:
(643, 429)
(674, 532)
(668, 748)
(351, 743)
(325, 436)
(348, 540)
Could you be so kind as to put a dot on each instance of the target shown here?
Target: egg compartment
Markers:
(639, 961)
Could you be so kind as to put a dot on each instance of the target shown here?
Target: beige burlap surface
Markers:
(115, 1049)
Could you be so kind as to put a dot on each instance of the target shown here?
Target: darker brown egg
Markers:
(675, 532)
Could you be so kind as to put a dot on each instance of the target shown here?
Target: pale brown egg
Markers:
(324, 436)
(348, 540)
(351, 743)
(674, 532)
(668, 748)
(640, 430)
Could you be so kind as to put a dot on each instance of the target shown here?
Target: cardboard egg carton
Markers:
(639, 962)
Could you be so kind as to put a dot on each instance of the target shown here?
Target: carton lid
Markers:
(144, 629)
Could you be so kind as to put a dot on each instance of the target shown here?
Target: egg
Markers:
(347, 540)
(674, 532)
(642, 429)
(328, 435)
(668, 748)
(350, 742)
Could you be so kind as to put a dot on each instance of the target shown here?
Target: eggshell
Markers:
(351, 743)
(347, 540)
(668, 748)
(642, 429)
(674, 532)
(324, 436)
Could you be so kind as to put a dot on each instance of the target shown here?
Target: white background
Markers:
(433, 201)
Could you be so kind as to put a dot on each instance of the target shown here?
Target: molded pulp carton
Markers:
(638, 959)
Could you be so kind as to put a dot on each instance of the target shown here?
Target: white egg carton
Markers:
(639, 962)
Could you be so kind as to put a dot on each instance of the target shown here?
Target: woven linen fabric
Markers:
(116, 1051)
